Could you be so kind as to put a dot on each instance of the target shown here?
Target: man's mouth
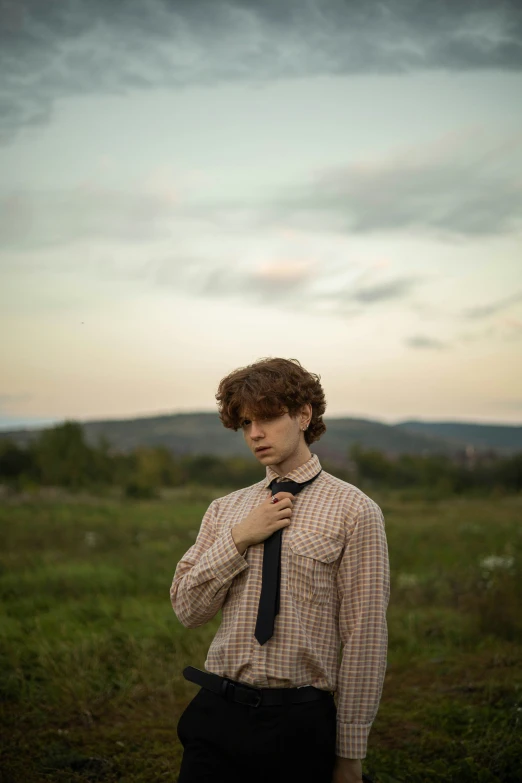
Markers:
(262, 448)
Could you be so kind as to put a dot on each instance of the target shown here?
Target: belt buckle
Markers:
(256, 695)
(252, 697)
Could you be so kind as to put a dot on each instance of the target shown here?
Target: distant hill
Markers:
(500, 437)
(203, 433)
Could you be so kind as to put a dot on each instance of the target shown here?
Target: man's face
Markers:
(276, 441)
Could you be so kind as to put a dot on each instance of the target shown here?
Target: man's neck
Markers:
(292, 463)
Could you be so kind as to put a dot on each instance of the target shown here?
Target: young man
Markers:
(297, 574)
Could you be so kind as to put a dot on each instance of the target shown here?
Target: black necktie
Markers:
(269, 599)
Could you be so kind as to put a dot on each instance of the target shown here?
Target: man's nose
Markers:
(256, 430)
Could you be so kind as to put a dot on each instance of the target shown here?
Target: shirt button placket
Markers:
(259, 664)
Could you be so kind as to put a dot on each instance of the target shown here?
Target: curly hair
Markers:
(271, 387)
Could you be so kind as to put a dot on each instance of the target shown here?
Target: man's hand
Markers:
(263, 520)
(347, 770)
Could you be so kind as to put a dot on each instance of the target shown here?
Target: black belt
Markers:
(253, 697)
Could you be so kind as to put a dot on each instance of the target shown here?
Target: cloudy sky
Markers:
(190, 185)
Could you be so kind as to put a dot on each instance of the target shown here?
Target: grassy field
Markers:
(91, 652)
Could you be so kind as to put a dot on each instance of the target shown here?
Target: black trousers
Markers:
(226, 742)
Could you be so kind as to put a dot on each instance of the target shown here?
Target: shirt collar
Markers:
(304, 472)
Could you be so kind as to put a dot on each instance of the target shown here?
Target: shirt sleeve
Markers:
(364, 591)
(204, 573)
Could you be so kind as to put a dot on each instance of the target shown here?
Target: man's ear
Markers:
(306, 414)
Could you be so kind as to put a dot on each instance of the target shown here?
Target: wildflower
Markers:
(91, 539)
(407, 580)
(497, 563)
(494, 566)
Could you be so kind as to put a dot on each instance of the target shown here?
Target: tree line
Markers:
(60, 456)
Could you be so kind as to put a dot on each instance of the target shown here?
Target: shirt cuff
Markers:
(225, 561)
(352, 739)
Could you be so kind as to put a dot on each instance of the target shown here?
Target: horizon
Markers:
(24, 424)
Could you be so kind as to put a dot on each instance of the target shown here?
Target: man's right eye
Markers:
(245, 422)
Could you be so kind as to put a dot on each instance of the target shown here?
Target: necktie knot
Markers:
(284, 486)
(290, 486)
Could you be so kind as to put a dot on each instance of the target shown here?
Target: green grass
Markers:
(91, 652)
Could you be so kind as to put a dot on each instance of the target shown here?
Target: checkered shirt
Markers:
(331, 630)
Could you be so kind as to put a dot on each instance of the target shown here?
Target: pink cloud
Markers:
(290, 271)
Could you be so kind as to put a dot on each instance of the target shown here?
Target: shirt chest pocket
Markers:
(312, 565)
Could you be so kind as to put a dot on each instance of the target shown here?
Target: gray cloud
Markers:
(455, 187)
(58, 48)
(280, 283)
(392, 289)
(431, 343)
(484, 311)
(231, 280)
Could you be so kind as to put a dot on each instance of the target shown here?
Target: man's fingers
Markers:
(283, 509)
(280, 504)
(282, 496)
